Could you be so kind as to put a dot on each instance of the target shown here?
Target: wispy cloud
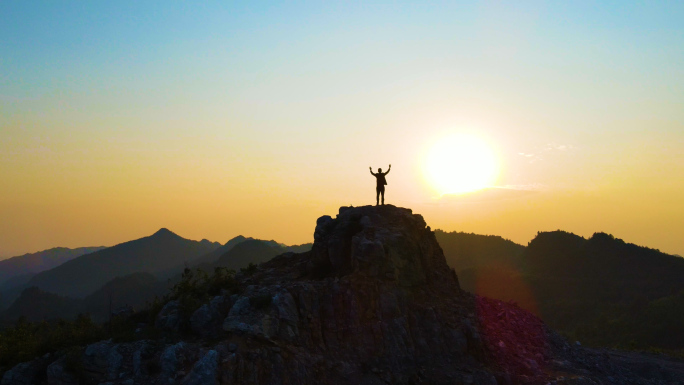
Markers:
(496, 193)
(545, 150)
(558, 147)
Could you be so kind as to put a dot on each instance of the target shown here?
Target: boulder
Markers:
(25, 373)
(58, 375)
(170, 317)
(102, 361)
(173, 358)
(204, 372)
(207, 320)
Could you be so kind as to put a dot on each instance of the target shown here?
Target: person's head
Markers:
(379, 170)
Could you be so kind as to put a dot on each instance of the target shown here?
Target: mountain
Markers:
(43, 260)
(214, 255)
(250, 251)
(487, 264)
(256, 251)
(134, 291)
(12, 288)
(137, 289)
(35, 304)
(15, 282)
(604, 266)
(83, 275)
(467, 250)
(373, 302)
(239, 252)
(304, 247)
(605, 291)
(602, 290)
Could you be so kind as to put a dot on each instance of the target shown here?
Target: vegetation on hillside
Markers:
(601, 291)
(467, 250)
(25, 340)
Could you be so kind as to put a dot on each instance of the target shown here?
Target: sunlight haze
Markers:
(251, 118)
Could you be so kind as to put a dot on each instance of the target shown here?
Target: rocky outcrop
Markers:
(25, 373)
(170, 317)
(206, 321)
(373, 302)
(57, 374)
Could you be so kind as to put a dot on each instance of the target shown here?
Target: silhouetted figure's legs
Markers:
(379, 192)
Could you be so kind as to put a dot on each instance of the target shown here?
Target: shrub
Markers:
(196, 287)
(200, 285)
(27, 340)
(249, 270)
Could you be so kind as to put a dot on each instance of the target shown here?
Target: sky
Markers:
(227, 118)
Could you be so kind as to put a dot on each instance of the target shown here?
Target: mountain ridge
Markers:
(32, 263)
(600, 290)
(81, 276)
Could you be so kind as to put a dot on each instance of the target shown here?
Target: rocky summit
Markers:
(373, 302)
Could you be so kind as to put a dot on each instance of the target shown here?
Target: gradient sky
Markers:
(213, 120)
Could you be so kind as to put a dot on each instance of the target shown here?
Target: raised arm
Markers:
(371, 170)
(388, 169)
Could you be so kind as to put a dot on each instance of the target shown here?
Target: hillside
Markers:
(35, 304)
(466, 250)
(83, 275)
(602, 290)
(214, 255)
(255, 251)
(135, 289)
(33, 263)
(605, 291)
(250, 251)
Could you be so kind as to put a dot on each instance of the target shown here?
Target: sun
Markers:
(459, 164)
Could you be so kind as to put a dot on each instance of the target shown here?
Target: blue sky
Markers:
(109, 105)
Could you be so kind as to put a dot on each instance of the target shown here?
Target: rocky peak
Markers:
(384, 242)
(164, 233)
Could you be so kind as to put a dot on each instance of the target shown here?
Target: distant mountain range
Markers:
(134, 290)
(81, 276)
(214, 255)
(132, 273)
(29, 264)
(471, 251)
(600, 290)
(250, 251)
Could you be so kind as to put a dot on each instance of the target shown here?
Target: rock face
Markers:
(365, 305)
(373, 302)
(206, 321)
(26, 373)
(169, 318)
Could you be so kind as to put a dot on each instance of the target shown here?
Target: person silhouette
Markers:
(380, 185)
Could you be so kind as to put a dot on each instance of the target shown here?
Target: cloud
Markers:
(548, 148)
(491, 194)
(558, 147)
